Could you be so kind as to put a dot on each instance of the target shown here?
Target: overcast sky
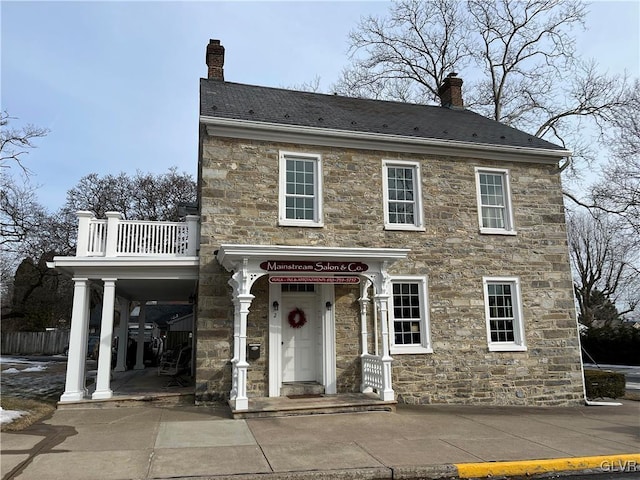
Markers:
(117, 82)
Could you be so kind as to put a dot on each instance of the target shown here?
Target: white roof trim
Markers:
(251, 129)
(128, 267)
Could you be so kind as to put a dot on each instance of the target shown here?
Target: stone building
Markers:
(361, 247)
(371, 252)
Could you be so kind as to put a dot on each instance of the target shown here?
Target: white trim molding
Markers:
(316, 160)
(425, 345)
(249, 129)
(518, 343)
(509, 227)
(418, 210)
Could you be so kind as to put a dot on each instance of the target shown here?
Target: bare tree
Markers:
(15, 143)
(519, 57)
(157, 197)
(407, 55)
(144, 196)
(604, 263)
(617, 191)
(20, 212)
(312, 85)
(110, 193)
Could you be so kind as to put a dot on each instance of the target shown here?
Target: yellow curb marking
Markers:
(530, 467)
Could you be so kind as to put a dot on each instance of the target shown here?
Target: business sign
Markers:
(304, 266)
(292, 279)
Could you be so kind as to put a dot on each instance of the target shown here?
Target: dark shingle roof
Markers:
(288, 107)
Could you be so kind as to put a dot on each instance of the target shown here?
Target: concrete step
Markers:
(323, 404)
(133, 400)
(301, 388)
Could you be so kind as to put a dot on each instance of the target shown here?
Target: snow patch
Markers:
(8, 416)
(35, 368)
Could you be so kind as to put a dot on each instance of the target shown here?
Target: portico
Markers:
(131, 261)
(301, 321)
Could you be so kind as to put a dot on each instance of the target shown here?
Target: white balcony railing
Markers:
(372, 372)
(115, 237)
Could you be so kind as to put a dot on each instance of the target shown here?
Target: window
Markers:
(300, 189)
(494, 201)
(402, 196)
(505, 331)
(298, 287)
(409, 316)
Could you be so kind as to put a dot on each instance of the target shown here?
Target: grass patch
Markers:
(36, 410)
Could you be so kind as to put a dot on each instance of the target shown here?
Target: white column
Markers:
(103, 380)
(82, 244)
(387, 392)
(192, 235)
(113, 218)
(74, 386)
(123, 336)
(242, 401)
(140, 339)
(236, 341)
(364, 334)
(364, 303)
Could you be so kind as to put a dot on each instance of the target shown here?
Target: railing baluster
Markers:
(139, 238)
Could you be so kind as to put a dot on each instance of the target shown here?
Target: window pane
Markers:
(492, 200)
(501, 312)
(493, 217)
(300, 189)
(406, 313)
(401, 195)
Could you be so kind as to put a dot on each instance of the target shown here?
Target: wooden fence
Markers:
(34, 343)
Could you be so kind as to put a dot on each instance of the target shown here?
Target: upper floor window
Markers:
(409, 316)
(503, 310)
(402, 196)
(300, 189)
(494, 201)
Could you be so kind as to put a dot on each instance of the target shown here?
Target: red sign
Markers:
(313, 266)
(286, 279)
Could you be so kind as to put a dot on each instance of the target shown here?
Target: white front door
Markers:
(300, 345)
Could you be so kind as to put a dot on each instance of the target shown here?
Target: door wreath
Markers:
(297, 318)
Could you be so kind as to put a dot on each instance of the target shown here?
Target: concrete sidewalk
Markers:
(150, 442)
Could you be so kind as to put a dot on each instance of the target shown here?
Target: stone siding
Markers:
(239, 204)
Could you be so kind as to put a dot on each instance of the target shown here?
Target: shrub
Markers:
(603, 383)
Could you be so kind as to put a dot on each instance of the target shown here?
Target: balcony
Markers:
(116, 237)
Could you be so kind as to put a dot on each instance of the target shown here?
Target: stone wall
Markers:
(239, 196)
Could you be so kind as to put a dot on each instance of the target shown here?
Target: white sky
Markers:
(117, 82)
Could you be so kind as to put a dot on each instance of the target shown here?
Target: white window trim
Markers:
(418, 211)
(519, 344)
(510, 228)
(425, 333)
(282, 210)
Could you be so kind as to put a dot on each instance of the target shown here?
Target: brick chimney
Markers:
(450, 92)
(215, 60)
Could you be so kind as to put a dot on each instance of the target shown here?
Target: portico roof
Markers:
(230, 256)
(138, 278)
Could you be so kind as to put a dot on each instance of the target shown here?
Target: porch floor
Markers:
(312, 405)
(145, 385)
